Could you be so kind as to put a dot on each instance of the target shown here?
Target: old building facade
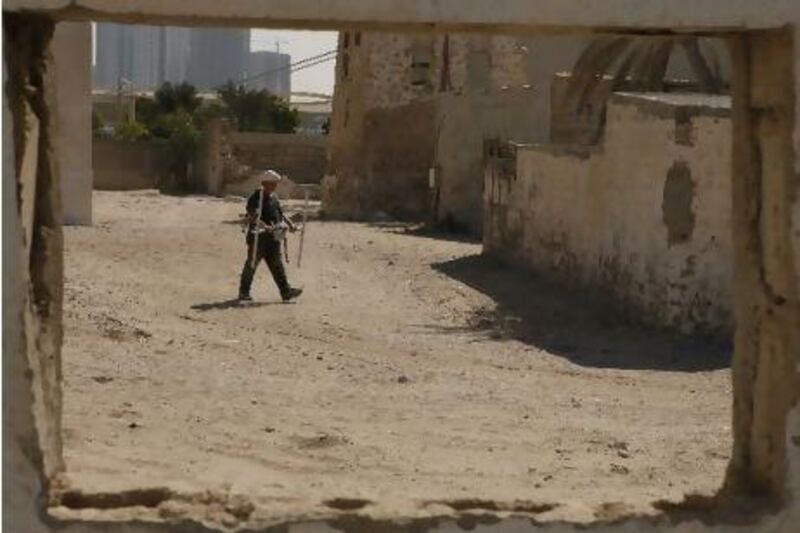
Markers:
(384, 125)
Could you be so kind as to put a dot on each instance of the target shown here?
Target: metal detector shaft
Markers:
(254, 252)
(303, 229)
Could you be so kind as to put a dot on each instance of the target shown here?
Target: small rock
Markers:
(402, 379)
(319, 358)
(619, 469)
(269, 429)
(133, 425)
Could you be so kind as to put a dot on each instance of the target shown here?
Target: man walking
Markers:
(266, 228)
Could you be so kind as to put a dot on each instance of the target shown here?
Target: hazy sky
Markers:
(302, 44)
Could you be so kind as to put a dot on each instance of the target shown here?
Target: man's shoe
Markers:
(292, 294)
(245, 297)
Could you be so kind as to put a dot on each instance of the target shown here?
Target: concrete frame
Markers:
(765, 42)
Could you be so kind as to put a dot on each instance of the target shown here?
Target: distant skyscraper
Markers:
(175, 53)
(108, 59)
(146, 56)
(218, 55)
(270, 70)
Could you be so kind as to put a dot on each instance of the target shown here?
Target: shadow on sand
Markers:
(417, 229)
(232, 304)
(577, 325)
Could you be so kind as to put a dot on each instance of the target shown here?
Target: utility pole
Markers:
(122, 84)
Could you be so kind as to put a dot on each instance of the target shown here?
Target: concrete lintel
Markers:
(509, 15)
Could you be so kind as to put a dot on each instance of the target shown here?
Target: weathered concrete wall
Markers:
(464, 122)
(766, 367)
(445, 15)
(646, 216)
(127, 166)
(32, 274)
(301, 157)
(72, 51)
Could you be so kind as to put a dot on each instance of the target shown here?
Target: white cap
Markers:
(269, 175)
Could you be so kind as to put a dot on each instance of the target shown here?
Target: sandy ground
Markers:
(413, 376)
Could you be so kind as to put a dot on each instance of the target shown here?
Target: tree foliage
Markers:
(97, 123)
(131, 131)
(258, 110)
(170, 98)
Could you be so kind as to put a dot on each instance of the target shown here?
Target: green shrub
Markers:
(97, 122)
(131, 131)
(183, 138)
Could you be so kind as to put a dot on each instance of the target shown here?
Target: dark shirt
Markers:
(271, 211)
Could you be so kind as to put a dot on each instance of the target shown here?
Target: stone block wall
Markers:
(301, 157)
(646, 215)
(126, 166)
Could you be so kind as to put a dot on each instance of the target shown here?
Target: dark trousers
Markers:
(270, 251)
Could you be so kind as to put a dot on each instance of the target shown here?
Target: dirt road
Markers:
(413, 374)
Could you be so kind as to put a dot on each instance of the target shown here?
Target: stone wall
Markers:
(301, 157)
(382, 126)
(646, 215)
(126, 166)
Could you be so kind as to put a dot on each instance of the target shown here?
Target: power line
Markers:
(314, 64)
(297, 65)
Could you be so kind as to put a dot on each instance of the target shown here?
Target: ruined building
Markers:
(384, 124)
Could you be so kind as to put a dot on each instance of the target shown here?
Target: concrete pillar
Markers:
(796, 206)
(32, 279)
(72, 53)
(766, 367)
(210, 163)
